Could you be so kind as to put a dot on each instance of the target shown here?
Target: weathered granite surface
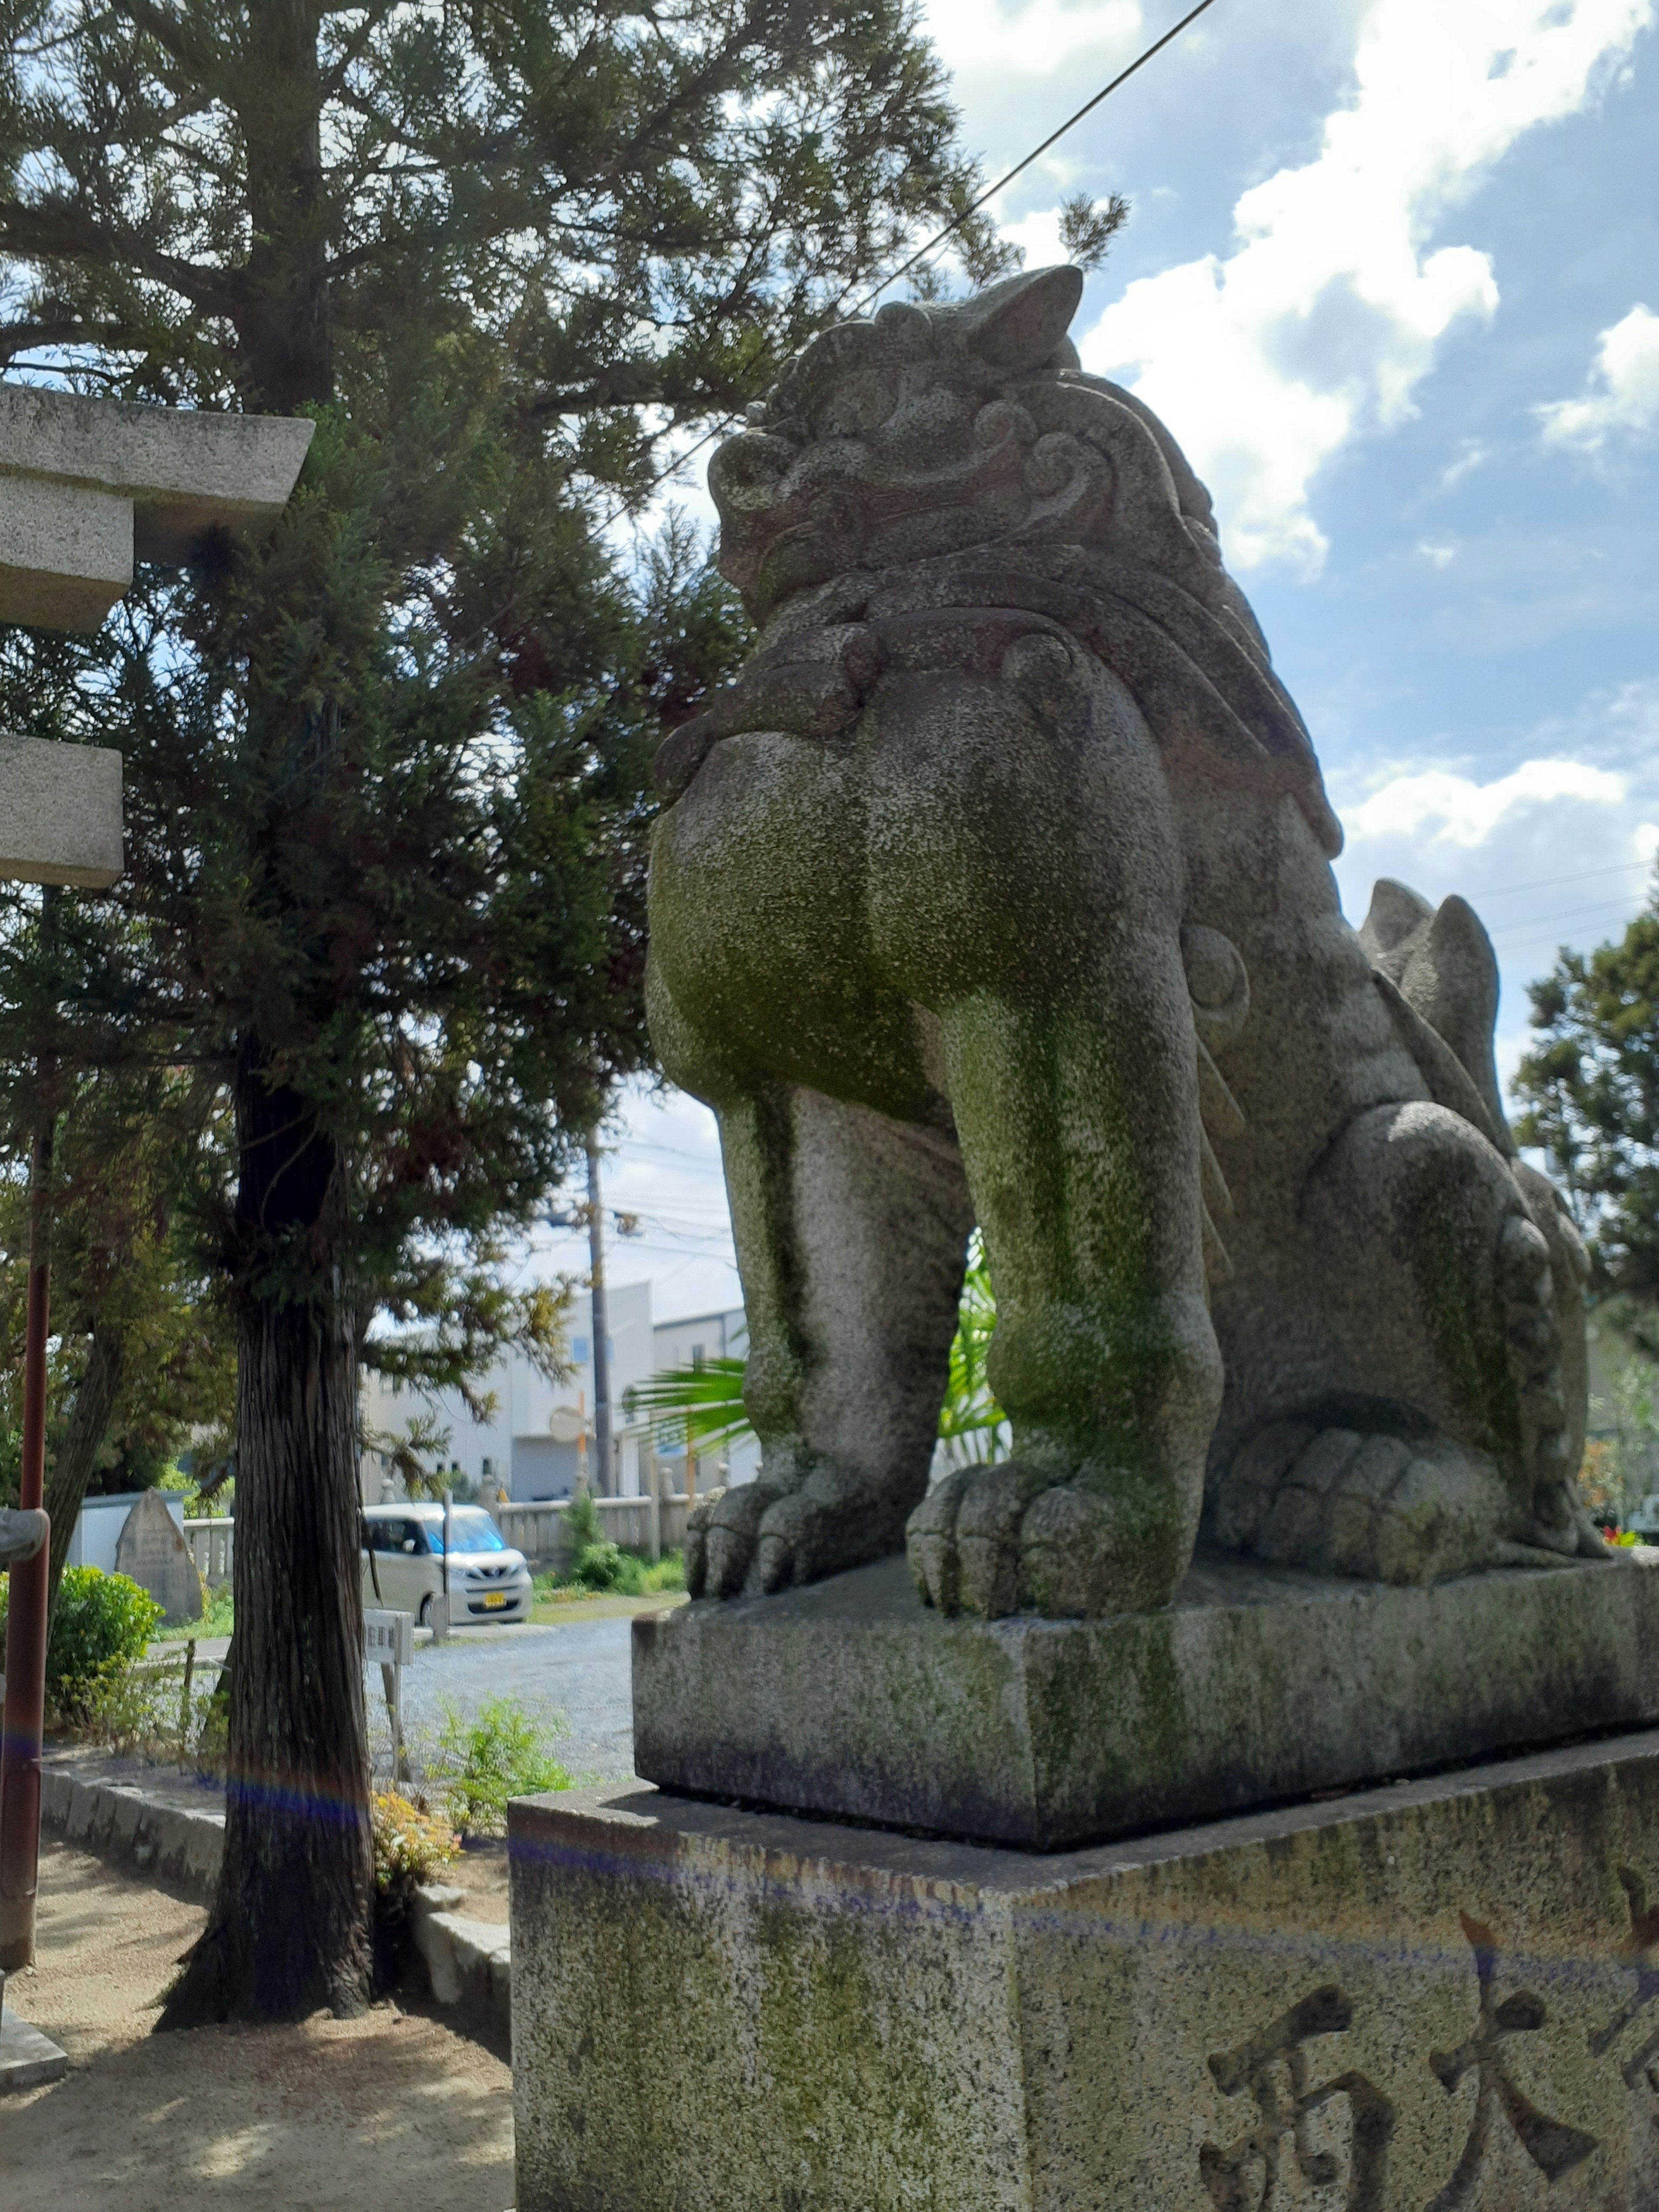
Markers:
(27, 2059)
(85, 485)
(998, 890)
(1439, 1997)
(151, 1548)
(851, 1697)
(60, 813)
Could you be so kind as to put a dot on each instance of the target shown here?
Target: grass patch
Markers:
(613, 1573)
(217, 1617)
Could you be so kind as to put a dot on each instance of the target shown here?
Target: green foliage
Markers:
(504, 1751)
(598, 1567)
(1087, 228)
(626, 1575)
(972, 1426)
(99, 1621)
(411, 1845)
(148, 1706)
(703, 1404)
(1588, 1092)
(581, 1522)
(217, 1617)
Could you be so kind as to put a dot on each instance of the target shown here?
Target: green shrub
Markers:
(599, 1566)
(504, 1751)
(618, 1573)
(99, 1621)
(581, 1522)
(411, 1844)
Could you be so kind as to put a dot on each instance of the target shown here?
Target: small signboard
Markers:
(389, 1637)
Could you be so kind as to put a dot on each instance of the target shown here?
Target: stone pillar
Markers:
(1349, 2006)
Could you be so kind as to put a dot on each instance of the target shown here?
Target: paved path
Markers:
(579, 1668)
(576, 1668)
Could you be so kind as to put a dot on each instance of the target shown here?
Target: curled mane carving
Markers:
(958, 456)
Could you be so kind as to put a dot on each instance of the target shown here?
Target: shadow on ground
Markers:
(389, 2110)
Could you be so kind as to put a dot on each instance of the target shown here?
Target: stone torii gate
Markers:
(87, 486)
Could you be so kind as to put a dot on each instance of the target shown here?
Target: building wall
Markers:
(720, 1335)
(529, 1446)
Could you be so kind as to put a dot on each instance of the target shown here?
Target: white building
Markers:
(688, 1343)
(540, 1435)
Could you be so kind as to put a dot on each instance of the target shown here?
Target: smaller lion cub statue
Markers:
(998, 892)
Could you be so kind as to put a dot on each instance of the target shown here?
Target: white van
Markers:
(403, 1564)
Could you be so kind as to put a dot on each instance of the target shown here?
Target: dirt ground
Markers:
(481, 1871)
(394, 2108)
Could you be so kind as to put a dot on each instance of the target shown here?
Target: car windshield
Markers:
(470, 1530)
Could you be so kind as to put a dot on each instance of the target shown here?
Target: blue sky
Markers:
(1392, 278)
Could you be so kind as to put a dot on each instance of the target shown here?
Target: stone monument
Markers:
(152, 1550)
(1000, 1857)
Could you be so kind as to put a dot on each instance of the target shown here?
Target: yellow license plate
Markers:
(495, 1597)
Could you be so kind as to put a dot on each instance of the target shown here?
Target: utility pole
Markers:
(601, 1322)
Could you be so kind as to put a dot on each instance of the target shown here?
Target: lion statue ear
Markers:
(1018, 325)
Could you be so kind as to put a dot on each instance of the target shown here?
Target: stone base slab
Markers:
(1258, 1684)
(1440, 1994)
(29, 2060)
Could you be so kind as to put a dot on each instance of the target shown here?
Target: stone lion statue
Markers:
(998, 890)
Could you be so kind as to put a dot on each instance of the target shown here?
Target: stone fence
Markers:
(649, 1525)
(211, 1543)
(638, 1524)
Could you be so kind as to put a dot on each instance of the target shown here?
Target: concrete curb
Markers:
(118, 1821)
(469, 1963)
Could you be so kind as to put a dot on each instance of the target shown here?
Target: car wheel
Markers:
(424, 1616)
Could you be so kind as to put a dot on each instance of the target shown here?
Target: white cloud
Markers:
(1474, 455)
(1445, 808)
(1323, 322)
(1031, 41)
(1622, 390)
(1438, 554)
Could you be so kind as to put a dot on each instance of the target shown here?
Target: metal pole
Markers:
(25, 1613)
(601, 1322)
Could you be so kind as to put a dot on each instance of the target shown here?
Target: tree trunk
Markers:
(290, 1929)
(71, 1465)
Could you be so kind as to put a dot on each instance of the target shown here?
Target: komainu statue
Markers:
(998, 890)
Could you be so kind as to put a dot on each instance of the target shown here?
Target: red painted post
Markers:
(26, 1623)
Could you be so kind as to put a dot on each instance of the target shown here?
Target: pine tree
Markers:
(384, 815)
(1590, 1094)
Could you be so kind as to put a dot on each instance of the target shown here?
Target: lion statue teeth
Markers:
(998, 890)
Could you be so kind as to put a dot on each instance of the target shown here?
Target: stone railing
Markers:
(210, 1546)
(538, 1530)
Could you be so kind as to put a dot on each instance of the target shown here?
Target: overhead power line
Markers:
(1036, 153)
(955, 223)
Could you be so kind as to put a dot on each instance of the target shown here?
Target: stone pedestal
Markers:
(851, 1697)
(1435, 1995)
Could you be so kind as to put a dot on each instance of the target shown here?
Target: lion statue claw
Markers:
(998, 890)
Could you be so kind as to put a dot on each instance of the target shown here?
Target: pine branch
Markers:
(57, 230)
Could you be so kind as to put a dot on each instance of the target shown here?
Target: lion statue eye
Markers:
(860, 403)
